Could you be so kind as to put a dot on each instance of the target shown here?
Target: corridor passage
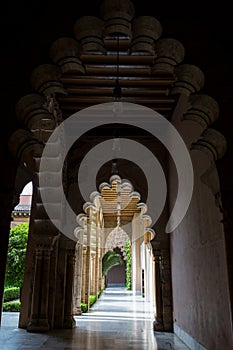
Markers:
(118, 320)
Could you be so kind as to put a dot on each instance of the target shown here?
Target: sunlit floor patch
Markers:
(119, 320)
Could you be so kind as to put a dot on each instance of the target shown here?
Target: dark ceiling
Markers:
(28, 28)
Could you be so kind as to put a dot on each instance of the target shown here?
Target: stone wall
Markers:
(199, 272)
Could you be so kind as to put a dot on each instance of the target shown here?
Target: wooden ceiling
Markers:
(138, 85)
(135, 78)
(109, 205)
(96, 86)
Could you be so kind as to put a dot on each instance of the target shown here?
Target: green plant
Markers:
(11, 293)
(109, 260)
(12, 306)
(92, 299)
(16, 255)
(83, 307)
(128, 283)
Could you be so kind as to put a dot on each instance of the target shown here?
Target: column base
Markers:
(77, 311)
(69, 322)
(158, 325)
(38, 326)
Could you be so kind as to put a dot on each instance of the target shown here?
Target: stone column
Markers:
(69, 321)
(38, 321)
(158, 323)
(166, 290)
(93, 263)
(78, 280)
(88, 258)
(83, 274)
(96, 289)
(101, 279)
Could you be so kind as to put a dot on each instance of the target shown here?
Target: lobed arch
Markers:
(153, 72)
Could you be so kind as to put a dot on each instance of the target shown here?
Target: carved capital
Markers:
(213, 143)
(145, 30)
(203, 110)
(169, 52)
(27, 105)
(90, 36)
(65, 52)
(189, 79)
(46, 80)
(117, 15)
(25, 147)
(31, 111)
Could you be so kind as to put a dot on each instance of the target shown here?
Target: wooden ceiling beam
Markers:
(124, 58)
(103, 90)
(110, 80)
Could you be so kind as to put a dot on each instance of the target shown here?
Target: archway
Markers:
(114, 218)
(60, 90)
(116, 241)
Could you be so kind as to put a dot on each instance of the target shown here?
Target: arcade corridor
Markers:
(120, 114)
(117, 321)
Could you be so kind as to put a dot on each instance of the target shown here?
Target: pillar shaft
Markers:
(39, 307)
(93, 264)
(96, 282)
(88, 259)
(87, 277)
(78, 280)
(69, 321)
(97, 272)
(158, 323)
(166, 290)
(83, 275)
(101, 279)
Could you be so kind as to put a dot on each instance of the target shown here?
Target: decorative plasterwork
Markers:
(213, 143)
(106, 202)
(83, 73)
(203, 110)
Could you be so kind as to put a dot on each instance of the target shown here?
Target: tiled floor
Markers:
(117, 321)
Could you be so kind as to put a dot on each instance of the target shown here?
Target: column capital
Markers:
(145, 30)
(46, 80)
(203, 110)
(212, 143)
(169, 53)
(90, 37)
(65, 52)
(117, 15)
(25, 148)
(189, 79)
(32, 112)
